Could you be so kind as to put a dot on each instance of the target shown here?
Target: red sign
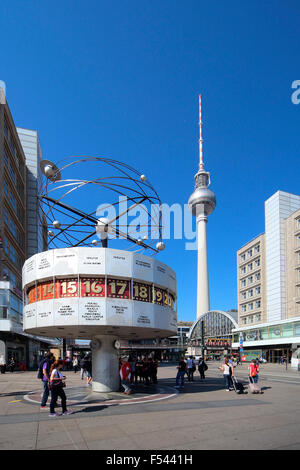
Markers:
(67, 288)
(92, 287)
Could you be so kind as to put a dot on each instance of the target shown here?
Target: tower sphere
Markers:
(203, 196)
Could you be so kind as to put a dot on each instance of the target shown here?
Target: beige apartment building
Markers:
(268, 285)
(251, 282)
(292, 230)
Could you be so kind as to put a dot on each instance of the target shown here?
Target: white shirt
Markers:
(190, 363)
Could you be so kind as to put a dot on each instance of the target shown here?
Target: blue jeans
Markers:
(227, 381)
(180, 376)
(255, 379)
(125, 385)
(45, 393)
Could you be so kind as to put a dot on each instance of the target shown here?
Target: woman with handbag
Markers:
(56, 385)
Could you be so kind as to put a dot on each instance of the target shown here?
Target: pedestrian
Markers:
(228, 372)
(82, 367)
(125, 374)
(132, 362)
(202, 367)
(44, 375)
(154, 371)
(139, 370)
(88, 370)
(145, 371)
(11, 364)
(22, 365)
(57, 384)
(253, 371)
(181, 370)
(75, 364)
(190, 368)
(2, 364)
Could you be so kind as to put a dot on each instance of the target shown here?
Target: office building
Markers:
(15, 245)
(268, 280)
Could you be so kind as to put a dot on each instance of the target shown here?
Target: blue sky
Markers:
(121, 79)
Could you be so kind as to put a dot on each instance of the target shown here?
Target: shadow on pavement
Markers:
(14, 394)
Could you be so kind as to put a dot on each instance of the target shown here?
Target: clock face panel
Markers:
(87, 291)
(117, 344)
(95, 344)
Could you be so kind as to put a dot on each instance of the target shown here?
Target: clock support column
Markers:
(105, 362)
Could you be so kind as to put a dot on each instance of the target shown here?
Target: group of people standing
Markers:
(135, 370)
(188, 368)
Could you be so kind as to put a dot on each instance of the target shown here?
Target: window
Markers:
(6, 246)
(6, 217)
(6, 159)
(258, 317)
(257, 290)
(274, 332)
(6, 132)
(250, 279)
(6, 188)
(244, 308)
(12, 254)
(12, 147)
(257, 262)
(243, 270)
(287, 330)
(243, 295)
(257, 304)
(243, 257)
(12, 200)
(250, 293)
(12, 174)
(250, 266)
(243, 282)
(256, 249)
(298, 238)
(251, 319)
(257, 276)
(12, 228)
(13, 280)
(250, 253)
(250, 306)
(244, 321)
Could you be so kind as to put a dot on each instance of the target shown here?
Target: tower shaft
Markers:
(203, 304)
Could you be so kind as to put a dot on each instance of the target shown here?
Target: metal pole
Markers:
(202, 338)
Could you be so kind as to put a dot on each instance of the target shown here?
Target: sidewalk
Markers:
(204, 416)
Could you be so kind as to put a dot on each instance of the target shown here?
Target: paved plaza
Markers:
(203, 416)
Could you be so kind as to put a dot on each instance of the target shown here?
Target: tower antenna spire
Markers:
(201, 163)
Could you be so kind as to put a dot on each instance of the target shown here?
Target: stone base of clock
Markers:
(105, 364)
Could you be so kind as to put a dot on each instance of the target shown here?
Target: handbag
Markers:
(56, 384)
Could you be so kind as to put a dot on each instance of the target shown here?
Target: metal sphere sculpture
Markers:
(118, 189)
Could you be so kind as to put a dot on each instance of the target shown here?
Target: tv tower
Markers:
(202, 203)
